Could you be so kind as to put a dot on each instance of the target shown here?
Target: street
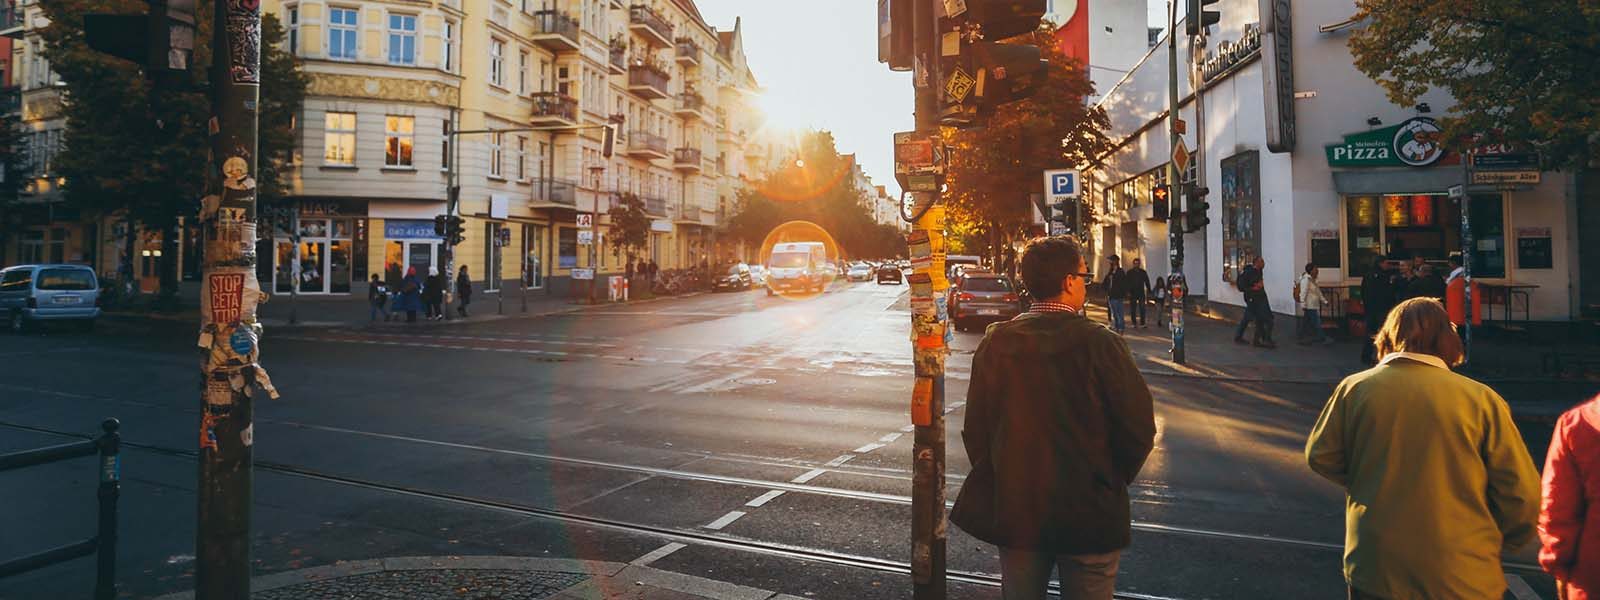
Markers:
(751, 439)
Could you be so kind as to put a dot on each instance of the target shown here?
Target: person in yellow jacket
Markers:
(1438, 482)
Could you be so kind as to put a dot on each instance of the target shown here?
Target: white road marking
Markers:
(720, 384)
(807, 476)
(1520, 588)
(843, 458)
(725, 520)
(867, 448)
(764, 498)
(657, 554)
(889, 439)
(908, 429)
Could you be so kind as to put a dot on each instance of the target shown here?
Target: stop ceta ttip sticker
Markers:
(922, 402)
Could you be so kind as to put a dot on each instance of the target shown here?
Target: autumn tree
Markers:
(1520, 72)
(141, 151)
(993, 167)
(815, 186)
(630, 226)
(13, 171)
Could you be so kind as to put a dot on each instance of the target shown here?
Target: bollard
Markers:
(110, 446)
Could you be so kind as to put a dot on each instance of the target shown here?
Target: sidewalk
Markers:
(497, 577)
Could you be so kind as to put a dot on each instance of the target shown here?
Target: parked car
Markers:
(979, 297)
(32, 294)
(758, 275)
(858, 271)
(735, 276)
(890, 272)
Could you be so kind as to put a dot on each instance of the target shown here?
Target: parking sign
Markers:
(1061, 184)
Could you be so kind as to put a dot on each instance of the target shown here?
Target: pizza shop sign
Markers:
(1417, 142)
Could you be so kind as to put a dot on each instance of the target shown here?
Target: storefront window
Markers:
(533, 253)
(1406, 226)
(568, 248)
(339, 266)
(1489, 236)
(1241, 211)
(1362, 235)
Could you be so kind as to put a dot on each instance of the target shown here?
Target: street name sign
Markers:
(1506, 177)
(1516, 161)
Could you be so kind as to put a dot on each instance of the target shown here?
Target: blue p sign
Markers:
(1062, 183)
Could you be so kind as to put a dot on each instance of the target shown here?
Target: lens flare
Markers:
(801, 260)
(797, 180)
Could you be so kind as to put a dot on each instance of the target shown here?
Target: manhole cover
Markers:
(757, 381)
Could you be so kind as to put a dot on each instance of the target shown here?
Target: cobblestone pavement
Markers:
(438, 584)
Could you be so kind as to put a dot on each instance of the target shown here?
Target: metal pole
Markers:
(1466, 259)
(928, 445)
(447, 250)
(230, 292)
(1175, 225)
(105, 539)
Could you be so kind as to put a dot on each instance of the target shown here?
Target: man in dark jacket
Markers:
(1116, 284)
(1377, 297)
(1138, 292)
(1256, 307)
(1059, 422)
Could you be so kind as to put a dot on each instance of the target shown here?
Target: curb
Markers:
(589, 588)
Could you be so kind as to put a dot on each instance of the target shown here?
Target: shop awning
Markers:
(1409, 181)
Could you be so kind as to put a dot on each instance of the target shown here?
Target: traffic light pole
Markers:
(928, 445)
(229, 332)
(1175, 216)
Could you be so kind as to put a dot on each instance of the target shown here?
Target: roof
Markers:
(694, 13)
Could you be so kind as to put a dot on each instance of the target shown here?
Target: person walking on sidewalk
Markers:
(1116, 284)
(1377, 297)
(433, 294)
(1256, 307)
(1569, 518)
(1059, 421)
(464, 289)
(378, 298)
(1138, 292)
(1311, 302)
(1437, 479)
(410, 295)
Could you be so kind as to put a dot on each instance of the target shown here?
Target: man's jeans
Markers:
(378, 307)
(1025, 574)
(1115, 307)
(1313, 321)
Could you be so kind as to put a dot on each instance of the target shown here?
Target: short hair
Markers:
(1311, 266)
(1046, 262)
(1455, 259)
(1420, 325)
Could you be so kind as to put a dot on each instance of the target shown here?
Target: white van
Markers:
(797, 266)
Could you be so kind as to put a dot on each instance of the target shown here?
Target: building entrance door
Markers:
(402, 255)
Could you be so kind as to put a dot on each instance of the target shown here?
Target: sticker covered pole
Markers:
(229, 332)
(928, 325)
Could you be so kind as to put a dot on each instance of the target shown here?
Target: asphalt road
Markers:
(765, 435)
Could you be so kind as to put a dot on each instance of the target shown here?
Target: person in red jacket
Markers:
(1569, 518)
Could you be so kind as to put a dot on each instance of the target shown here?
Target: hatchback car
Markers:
(889, 272)
(982, 297)
(858, 272)
(735, 277)
(32, 294)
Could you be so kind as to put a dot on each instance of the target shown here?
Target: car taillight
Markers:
(33, 302)
(1011, 297)
(965, 297)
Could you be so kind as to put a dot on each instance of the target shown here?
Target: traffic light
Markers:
(894, 34)
(1199, 18)
(608, 143)
(1195, 216)
(454, 230)
(161, 41)
(979, 73)
(1160, 200)
(440, 223)
(1001, 19)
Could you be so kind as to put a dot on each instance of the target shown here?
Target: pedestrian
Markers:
(410, 295)
(1437, 479)
(1138, 292)
(1059, 421)
(1428, 284)
(1116, 285)
(1401, 282)
(1311, 303)
(378, 297)
(433, 294)
(463, 289)
(1256, 307)
(1158, 293)
(1569, 517)
(1377, 297)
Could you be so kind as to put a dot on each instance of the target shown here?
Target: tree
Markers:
(993, 168)
(630, 226)
(1520, 72)
(816, 186)
(133, 149)
(13, 171)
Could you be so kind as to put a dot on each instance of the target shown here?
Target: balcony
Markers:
(554, 193)
(11, 20)
(648, 80)
(554, 108)
(649, 24)
(619, 59)
(690, 105)
(686, 159)
(688, 52)
(647, 146)
(755, 152)
(556, 31)
(655, 207)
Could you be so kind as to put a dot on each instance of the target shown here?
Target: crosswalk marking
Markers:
(725, 520)
(1520, 588)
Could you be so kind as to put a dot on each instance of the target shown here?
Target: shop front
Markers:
(410, 244)
(316, 247)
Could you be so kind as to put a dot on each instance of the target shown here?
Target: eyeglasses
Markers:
(1083, 275)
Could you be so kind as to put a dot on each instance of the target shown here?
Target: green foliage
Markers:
(815, 186)
(630, 226)
(1520, 72)
(283, 93)
(13, 163)
(993, 168)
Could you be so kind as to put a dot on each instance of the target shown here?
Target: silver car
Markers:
(32, 294)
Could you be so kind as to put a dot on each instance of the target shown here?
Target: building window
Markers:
(399, 135)
(522, 158)
(294, 31)
(342, 24)
(448, 48)
(1241, 211)
(444, 162)
(496, 153)
(1428, 226)
(522, 72)
(497, 52)
(492, 258)
(339, 139)
(402, 39)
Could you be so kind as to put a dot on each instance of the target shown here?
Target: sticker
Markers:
(224, 297)
(230, 242)
(244, 40)
(208, 431)
(923, 306)
(205, 340)
(218, 393)
(922, 402)
(248, 436)
(264, 382)
(921, 285)
(958, 84)
(242, 341)
(236, 174)
(928, 363)
(209, 206)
